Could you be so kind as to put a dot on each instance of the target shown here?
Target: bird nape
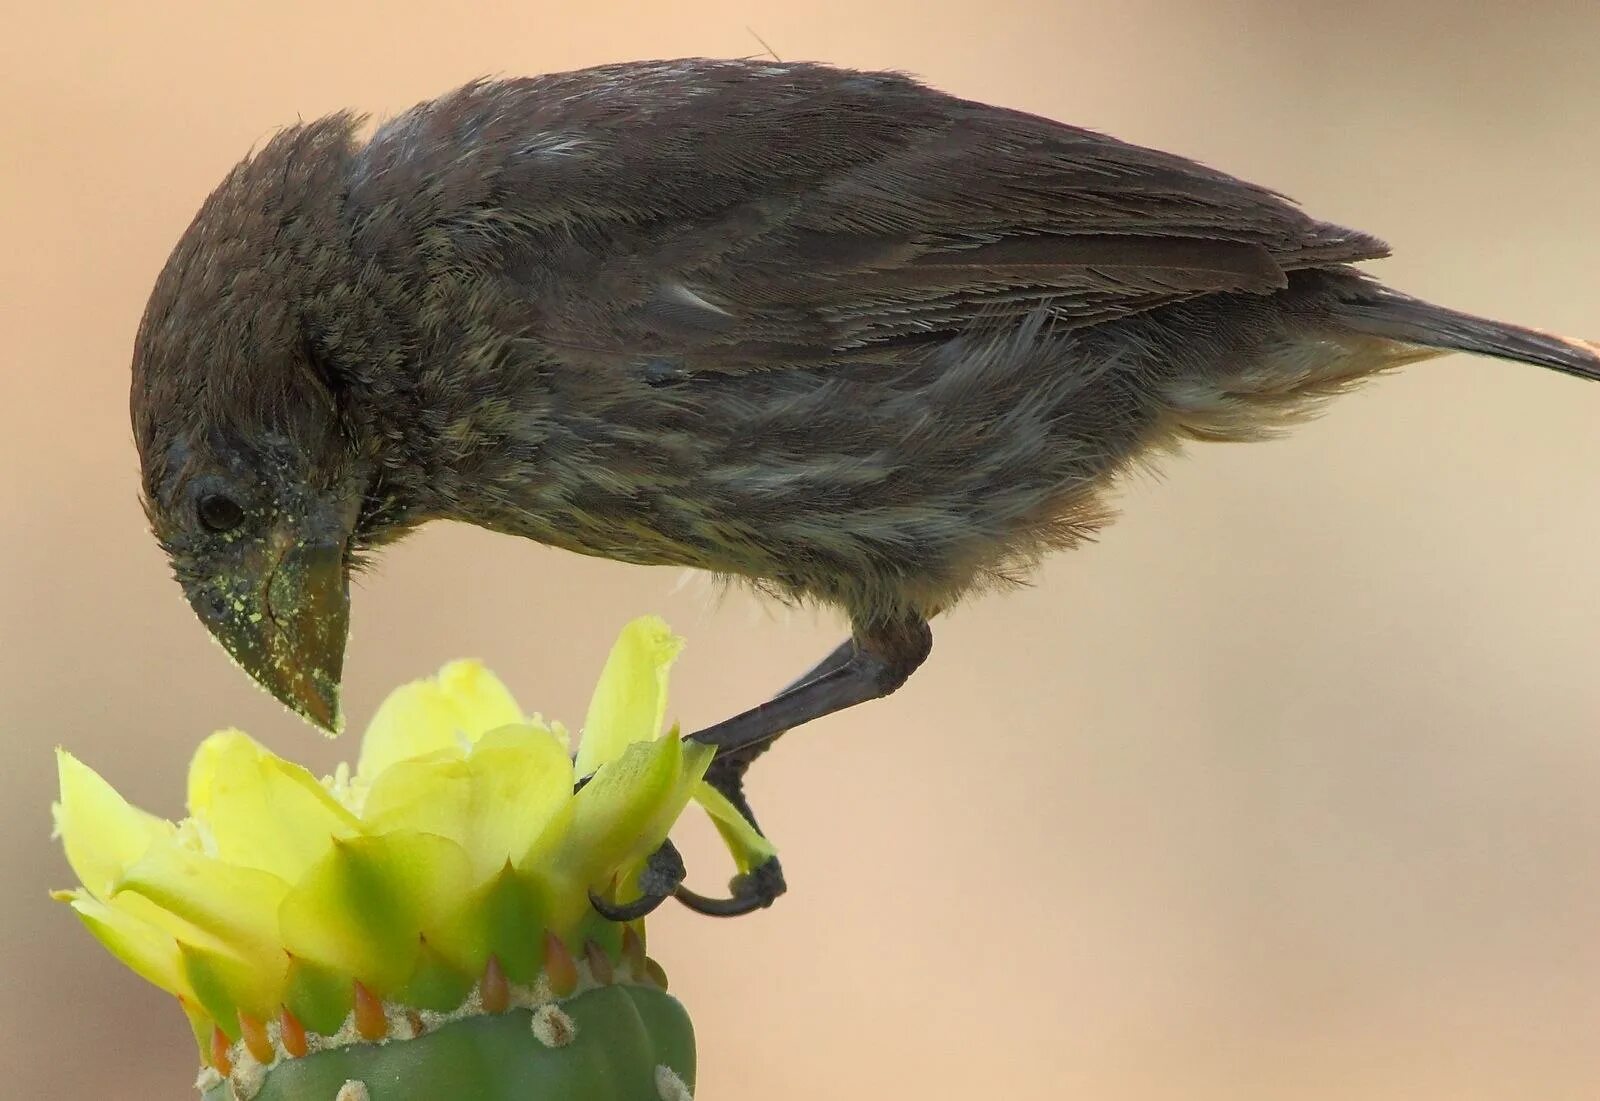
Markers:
(834, 333)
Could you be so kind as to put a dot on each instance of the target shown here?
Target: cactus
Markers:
(422, 926)
(624, 1042)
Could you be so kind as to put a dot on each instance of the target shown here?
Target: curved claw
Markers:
(755, 890)
(662, 876)
(720, 907)
(623, 912)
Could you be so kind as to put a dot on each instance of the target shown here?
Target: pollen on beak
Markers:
(284, 618)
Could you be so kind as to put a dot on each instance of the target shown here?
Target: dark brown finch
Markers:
(834, 333)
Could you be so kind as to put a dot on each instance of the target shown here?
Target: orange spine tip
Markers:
(633, 950)
(493, 988)
(254, 1031)
(559, 966)
(220, 1059)
(293, 1034)
(599, 963)
(371, 1022)
(655, 973)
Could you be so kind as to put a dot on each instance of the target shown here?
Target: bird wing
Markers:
(736, 216)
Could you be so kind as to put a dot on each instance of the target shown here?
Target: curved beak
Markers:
(284, 617)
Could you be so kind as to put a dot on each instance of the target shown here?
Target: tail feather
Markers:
(1381, 312)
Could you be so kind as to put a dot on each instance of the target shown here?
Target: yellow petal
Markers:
(748, 847)
(521, 778)
(200, 1024)
(102, 833)
(366, 905)
(693, 761)
(260, 810)
(431, 794)
(149, 951)
(236, 905)
(500, 916)
(630, 700)
(539, 853)
(493, 803)
(461, 704)
(226, 983)
(624, 813)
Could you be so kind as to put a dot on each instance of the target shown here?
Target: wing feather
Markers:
(742, 216)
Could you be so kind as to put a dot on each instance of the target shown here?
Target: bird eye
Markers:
(220, 513)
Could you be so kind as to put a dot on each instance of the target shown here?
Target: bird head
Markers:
(251, 478)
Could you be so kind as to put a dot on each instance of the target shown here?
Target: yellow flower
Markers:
(456, 848)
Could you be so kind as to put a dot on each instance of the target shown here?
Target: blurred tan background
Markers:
(1285, 790)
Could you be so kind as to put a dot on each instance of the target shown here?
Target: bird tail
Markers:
(1381, 312)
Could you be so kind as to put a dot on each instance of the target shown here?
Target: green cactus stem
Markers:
(621, 1042)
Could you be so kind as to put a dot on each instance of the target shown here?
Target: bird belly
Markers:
(887, 491)
(898, 489)
(1287, 383)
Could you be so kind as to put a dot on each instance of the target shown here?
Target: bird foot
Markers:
(748, 892)
(661, 879)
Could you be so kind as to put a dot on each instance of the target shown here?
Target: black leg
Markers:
(761, 886)
(879, 662)
(840, 654)
(872, 664)
(663, 875)
(727, 771)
